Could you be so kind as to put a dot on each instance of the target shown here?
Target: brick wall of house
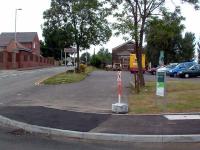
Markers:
(11, 46)
(23, 59)
(34, 46)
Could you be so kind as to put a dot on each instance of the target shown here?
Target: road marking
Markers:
(19, 94)
(14, 74)
(38, 83)
(4, 76)
(182, 117)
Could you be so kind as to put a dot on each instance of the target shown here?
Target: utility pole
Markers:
(16, 23)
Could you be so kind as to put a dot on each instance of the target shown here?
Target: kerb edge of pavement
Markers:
(98, 136)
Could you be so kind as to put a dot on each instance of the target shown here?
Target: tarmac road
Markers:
(13, 82)
(18, 140)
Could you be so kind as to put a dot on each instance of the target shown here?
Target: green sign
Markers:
(160, 83)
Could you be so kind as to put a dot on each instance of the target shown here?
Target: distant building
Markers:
(121, 54)
(22, 53)
(28, 40)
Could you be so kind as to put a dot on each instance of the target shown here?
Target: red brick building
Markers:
(121, 54)
(22, 53)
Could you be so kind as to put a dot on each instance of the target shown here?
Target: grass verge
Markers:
(68, 77)
(182, 96)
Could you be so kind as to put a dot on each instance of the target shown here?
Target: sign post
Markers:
(160, 83)
(65, 59)
(70, 51)
(161, 87)
(119, 107)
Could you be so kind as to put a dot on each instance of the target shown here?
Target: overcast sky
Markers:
(30, 18)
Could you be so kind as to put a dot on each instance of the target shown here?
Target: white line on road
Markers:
(182, 117)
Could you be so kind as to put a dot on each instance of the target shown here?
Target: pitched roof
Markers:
(22, 37)
(130, 45)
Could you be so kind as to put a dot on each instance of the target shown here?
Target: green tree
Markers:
(79, 23)
(164, 34)
(47, 51)
(187, 47)
(85, 57)
(102, 58)
(95, 61)
(105, 56)
(132, 21)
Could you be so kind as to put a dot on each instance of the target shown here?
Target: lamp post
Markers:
(16, 22)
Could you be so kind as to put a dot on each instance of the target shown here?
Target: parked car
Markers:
(180, 67)
(162, 68)
(152, 70)
(108, 67)
(168, 67)
(193, 71)
(117, 67)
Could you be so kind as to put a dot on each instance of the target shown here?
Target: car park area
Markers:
(182, 70)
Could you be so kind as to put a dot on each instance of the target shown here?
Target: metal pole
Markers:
(16, 23)
(74, 62)
(65, 60)
(61, 57)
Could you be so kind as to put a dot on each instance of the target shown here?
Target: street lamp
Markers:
(16, 22)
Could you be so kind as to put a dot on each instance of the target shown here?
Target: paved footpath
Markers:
(101, 123)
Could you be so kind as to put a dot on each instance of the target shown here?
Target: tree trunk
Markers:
(141, 77)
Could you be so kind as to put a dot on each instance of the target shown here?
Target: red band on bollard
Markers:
(119, 87)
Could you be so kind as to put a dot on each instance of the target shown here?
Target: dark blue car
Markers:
(180, 67)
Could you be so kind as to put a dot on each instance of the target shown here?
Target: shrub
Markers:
(82, 67)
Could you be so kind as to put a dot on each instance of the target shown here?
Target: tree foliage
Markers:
(102, 58)
(79, 23)
(47, 51)
(132, 21)
(187, 47)
(165, 34)
(105, 56)
(85, 57)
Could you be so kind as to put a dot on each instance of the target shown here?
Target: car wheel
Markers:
(187, 75)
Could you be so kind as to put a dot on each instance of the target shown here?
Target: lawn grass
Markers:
(182, 96)
(68, 77)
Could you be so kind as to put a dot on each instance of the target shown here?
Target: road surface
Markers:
(13, 82)
(18, 140)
